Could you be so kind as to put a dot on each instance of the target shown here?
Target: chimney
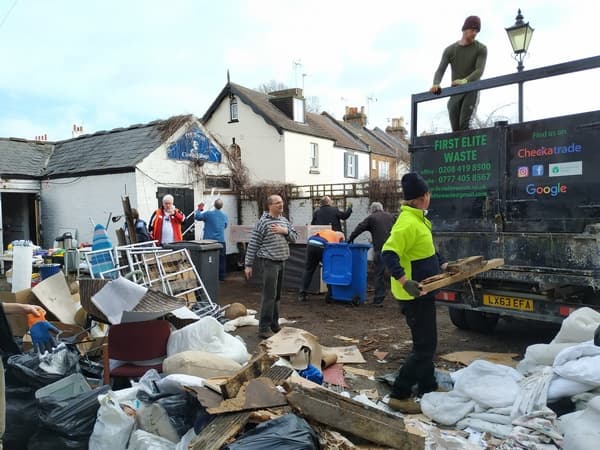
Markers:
(290, 102)
(42, 137)
(77, 131)
(397, 129)
(355, 118)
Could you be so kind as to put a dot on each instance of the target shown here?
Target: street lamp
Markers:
(520, 36)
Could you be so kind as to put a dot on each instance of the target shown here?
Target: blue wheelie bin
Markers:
(345, 270)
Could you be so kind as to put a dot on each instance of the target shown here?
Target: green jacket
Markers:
(409, 250)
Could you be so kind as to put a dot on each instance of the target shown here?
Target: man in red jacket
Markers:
(165, 223)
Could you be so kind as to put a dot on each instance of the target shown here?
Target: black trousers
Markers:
(418, 368)
(314, 255)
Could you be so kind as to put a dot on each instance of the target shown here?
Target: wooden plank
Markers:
(437, 283)
(350, 416)
(465, 264)
(219, 431)
(259, 393)
(255, 367)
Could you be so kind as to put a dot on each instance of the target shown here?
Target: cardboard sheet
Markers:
(118, 296)
(467, 357)
(289, 342)
(346, 355)
(55, 296)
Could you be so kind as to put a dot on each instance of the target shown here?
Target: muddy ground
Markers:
(383, 329)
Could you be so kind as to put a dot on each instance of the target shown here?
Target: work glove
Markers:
(349, 205)
(459, 82)
(39, 329)
(412, 287)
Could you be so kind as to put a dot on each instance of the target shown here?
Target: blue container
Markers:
(345, 270)
(47, 270)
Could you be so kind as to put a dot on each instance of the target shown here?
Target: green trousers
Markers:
(461, 108)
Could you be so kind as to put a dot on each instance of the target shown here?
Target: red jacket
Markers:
(156, 224)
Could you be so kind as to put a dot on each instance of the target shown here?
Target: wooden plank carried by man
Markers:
(460, 270)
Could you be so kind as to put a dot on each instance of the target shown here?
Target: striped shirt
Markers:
(269, 245)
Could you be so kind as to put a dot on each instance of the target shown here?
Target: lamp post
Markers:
(520, 36)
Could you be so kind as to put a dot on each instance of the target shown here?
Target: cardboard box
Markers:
(18, 323)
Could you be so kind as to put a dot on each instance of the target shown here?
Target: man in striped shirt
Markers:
(269, 245)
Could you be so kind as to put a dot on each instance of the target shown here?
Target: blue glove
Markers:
(41, 337)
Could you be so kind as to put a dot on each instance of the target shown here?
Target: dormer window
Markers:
(299, 110)
(233, 110)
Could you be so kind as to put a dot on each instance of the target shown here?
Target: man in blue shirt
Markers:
(215, 222)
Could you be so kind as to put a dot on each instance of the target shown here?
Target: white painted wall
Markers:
(261, 144)
(339, 169)
(69, 203)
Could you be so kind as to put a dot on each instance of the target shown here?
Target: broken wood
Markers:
(465, 264)
(259, 393)
(255, 367)
(446, 279)
(350, 416)
(220, 431)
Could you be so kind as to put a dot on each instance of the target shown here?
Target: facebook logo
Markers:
(537, 170)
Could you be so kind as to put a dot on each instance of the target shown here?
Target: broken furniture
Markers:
(134, 343)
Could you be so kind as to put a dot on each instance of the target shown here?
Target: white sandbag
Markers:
(579, 326)
(113, 426)
(207, 335)
(142, 440)
(561, 387)
(579, 363)
(200, 364)
(446, 408)
(154, 419)
(584, 433)
(496, 429)
(490, 385)
(539, 355)
(565, 421)
(232, 325)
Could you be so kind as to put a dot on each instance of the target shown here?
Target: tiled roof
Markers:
(120, 149)
(330, 126)
(375, 145)
(398, 144)
(261, 105)
(20, 158)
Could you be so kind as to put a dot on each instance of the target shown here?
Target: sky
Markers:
(114, 63)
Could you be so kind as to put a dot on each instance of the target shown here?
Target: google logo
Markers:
(553, 190)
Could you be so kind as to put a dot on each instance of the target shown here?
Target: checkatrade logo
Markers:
(541, 152)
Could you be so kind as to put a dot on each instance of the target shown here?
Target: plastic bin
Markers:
(205, 257)
(47, 270)
(68, 387)
(345, 270)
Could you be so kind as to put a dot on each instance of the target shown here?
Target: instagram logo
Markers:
(523, 171)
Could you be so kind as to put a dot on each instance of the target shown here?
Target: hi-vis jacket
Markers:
(409, 250)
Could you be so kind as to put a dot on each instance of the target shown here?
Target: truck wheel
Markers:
(481, 321)
(458, 318)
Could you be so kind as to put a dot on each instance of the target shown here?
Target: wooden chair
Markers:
(134, 343)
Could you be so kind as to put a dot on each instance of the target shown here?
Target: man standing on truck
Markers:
(467, 59)
(410, 256)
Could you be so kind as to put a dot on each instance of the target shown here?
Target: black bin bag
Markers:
(288, 432)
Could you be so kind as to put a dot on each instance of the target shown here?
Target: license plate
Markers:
(503, 301)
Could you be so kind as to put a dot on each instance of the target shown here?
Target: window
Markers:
(233, 110)
(314, 155)
(299, 110)
(384, 169)
(350, 165)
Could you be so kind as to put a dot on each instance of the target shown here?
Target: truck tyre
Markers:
(481, 321)
(458, 318)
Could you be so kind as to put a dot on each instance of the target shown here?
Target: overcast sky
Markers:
(108, 64)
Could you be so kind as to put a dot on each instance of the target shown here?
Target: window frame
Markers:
(233, 110)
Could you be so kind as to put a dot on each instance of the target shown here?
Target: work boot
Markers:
(276, 329)
(302, 297)
(405, 405)
(377, 302)
(265, 334)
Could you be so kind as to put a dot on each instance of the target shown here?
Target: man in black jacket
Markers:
(378, 223)
(330, 215)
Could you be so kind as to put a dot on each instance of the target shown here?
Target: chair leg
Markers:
(105, 365)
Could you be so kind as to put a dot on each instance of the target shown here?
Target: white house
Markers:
(280, 142)
(85, 178)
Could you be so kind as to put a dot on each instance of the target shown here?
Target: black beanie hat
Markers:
(472, 22)
(413, 186)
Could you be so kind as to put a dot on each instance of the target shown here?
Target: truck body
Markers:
(526, 192)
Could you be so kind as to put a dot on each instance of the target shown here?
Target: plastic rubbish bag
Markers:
(142, 440)
(21, 416)
(311, 373)
(288, 432)
(113, 425)
(24, 369)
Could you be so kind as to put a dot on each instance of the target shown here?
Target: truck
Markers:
(526, 192)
